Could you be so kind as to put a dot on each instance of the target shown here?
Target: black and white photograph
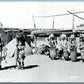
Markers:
(41, 41)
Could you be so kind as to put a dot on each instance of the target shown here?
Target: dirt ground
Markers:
(40, 68)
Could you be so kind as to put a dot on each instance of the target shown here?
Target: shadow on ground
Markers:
(14, 67)
(30, 67)
(8, 67)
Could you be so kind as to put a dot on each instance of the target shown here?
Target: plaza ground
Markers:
(40, 68)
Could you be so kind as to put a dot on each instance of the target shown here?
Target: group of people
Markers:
(67, 49)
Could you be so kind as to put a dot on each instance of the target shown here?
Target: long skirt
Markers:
(53, 53)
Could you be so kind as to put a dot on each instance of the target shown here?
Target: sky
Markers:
(19, 14)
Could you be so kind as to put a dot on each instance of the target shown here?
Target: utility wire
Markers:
(76, 15)
(58, 15)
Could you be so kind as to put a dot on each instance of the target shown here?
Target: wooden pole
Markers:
(53, 23)
(34, 21)
(73, 22)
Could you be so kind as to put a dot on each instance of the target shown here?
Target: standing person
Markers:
(20, 51)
